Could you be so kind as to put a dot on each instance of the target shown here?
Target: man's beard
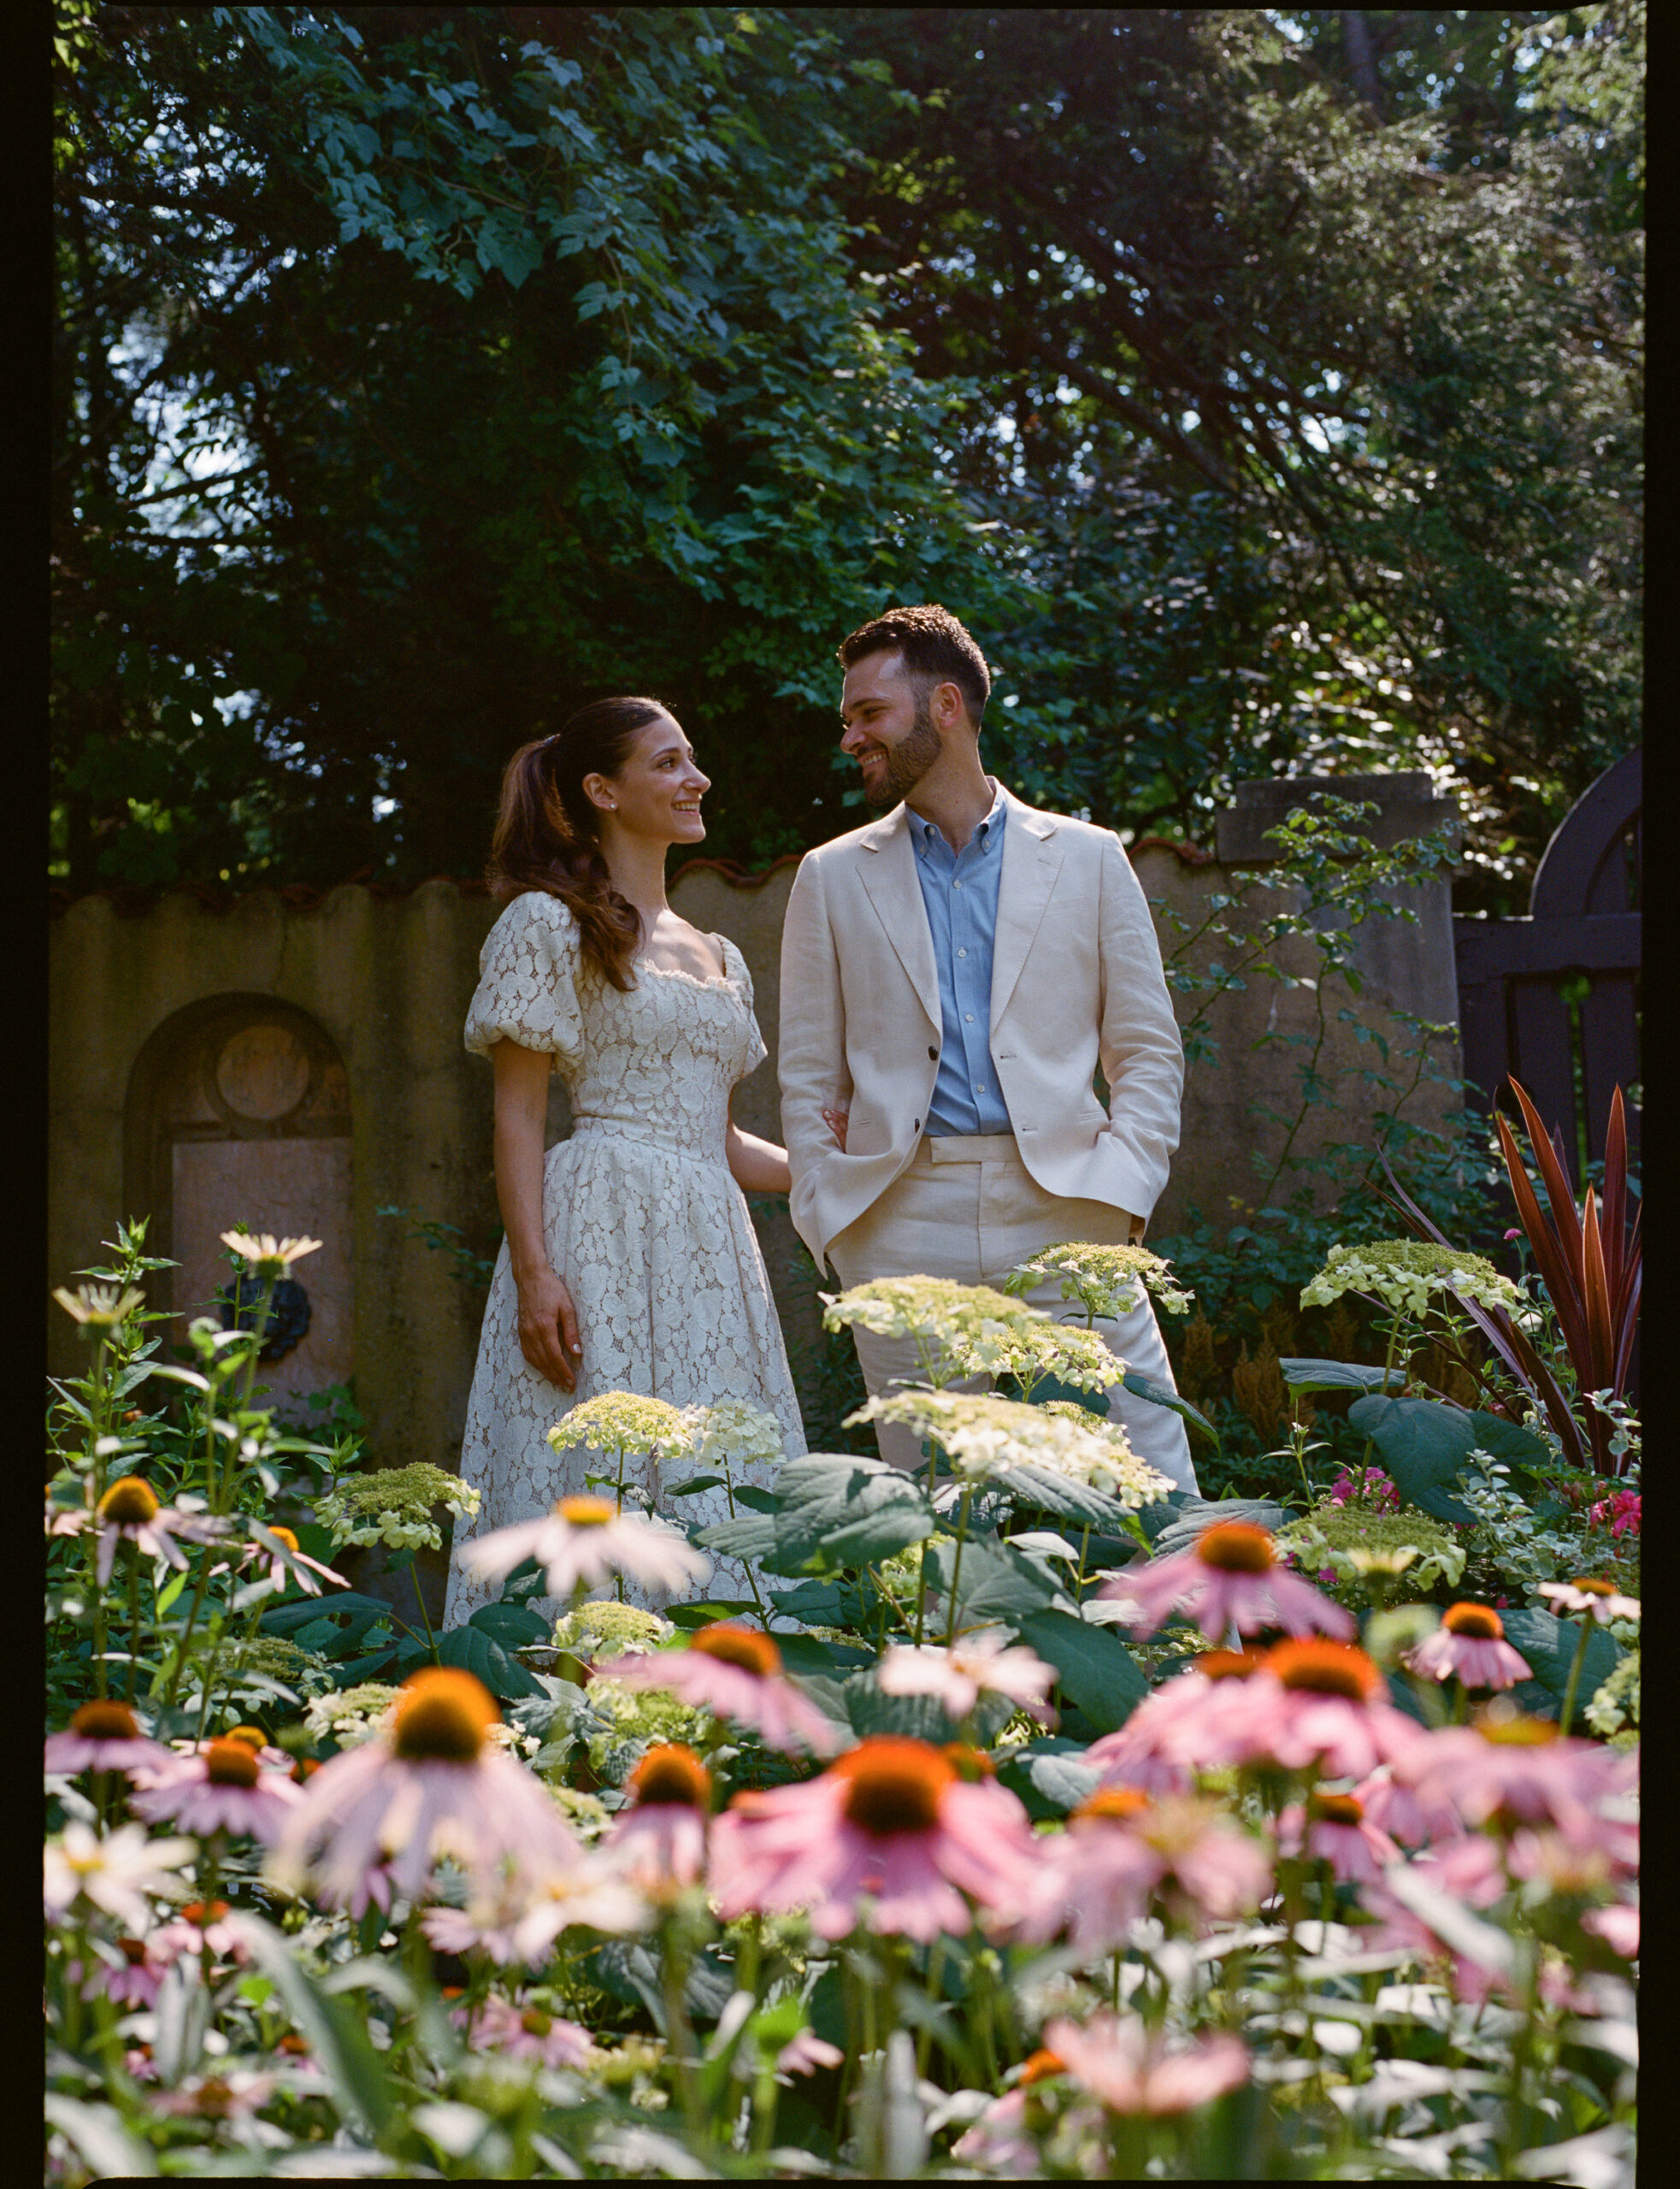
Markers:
(908, 761)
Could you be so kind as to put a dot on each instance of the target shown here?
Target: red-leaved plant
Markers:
(1590, 1267)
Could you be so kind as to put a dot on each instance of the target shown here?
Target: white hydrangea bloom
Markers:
(1105, 1280)
(394, 1505)
(982, 1435)
(1404, 1273)
(733, 1428)
(624, 1421)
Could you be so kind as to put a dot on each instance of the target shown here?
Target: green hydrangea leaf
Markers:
(1095, 1668)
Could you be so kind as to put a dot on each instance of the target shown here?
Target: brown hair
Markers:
(547, 831)
(936, 648)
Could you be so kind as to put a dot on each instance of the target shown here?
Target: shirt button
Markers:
(968, 1017)
(978, 1089)
(962, 953)
(956, 885)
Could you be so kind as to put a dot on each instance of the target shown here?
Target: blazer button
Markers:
(932, 1053)
(916, 1125)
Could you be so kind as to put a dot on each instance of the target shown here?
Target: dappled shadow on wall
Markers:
(239, 1113)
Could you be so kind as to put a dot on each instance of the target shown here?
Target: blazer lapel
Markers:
(888, 870)
(1032, 861)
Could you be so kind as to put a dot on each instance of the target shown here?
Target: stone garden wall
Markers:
(296, 1065)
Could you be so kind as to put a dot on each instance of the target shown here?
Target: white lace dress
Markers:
(643, 1220)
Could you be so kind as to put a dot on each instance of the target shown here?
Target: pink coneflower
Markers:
(1600, 1600)
(1469, 1645)
(1507, 1770)
(283, 1559)
(429, 1785)
(224, 1790)
(958, 1676)
(1135, 2074)
(198, 1925)
(1396, 1810)
(891, 1830)
(225, 2097)
(1005, 2140)
(1618, 1926)
(805, 2054)
(585, 1541)
(1179, 1727)
(736, 1673)
(1121, 1851)
(103, 1736)
(1321, 1703)
(131, 1983)
(523, 2033)
(129, 1511)
(1231, 1576)
(1333, 1828)
(660, 1840)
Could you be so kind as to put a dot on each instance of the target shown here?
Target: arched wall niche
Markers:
(239, 1113)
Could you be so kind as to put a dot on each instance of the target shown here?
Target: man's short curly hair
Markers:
(936, 650)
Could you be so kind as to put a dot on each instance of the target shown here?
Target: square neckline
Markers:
(725, 979)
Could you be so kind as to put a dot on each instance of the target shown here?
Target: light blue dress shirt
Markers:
(960, 891)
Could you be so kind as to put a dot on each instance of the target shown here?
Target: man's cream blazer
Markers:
(1076, 981)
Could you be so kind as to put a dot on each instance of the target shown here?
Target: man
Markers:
(951, 977)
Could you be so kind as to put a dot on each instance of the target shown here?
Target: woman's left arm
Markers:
(758, 1166)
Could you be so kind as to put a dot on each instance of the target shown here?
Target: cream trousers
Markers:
(967, 1208)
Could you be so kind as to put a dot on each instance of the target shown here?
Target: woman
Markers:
(630, 1262)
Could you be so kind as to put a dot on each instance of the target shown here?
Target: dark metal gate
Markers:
(1553, 1000)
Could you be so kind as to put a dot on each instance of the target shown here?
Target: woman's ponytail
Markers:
(547, 829)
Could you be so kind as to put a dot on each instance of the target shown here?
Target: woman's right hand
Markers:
(548, 1328)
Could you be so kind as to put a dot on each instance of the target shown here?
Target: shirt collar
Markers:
(927, 834)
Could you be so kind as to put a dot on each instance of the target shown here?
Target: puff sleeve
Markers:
(527, 981)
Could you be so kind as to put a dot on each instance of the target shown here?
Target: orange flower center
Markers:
(285, 1536)
(893, 1784)
(535, 2023)
(1334, 1809)
(305, 1768)
(1227, 1664)
(1480, 1621)
(442, 1716)
(1594, 1588)
(129, 1501)
(196, 1914)
(739, 1645)
(1037, 2065)
(133, 1950)
(971, 1764)
(106, 1721)
(1510, 1728)
(1114, 1805)
(1236, 1547)
(252, 1736)
(215, 2098)
(230, 1763)
(294, 2044)
(586, 1511)
(671, 1775)
(1324, 1668)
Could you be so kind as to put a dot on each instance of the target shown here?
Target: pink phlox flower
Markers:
(529, 2033)
(1333, 1828)
(804, 2054)
(734, 1672)
(585, 1542)
(975, 1664)
(890, 1826)
(226, 1789)
(1620, 1513)
(1132, 2072)
(1618, 1925)
(1230, 1576)
(103, 1735)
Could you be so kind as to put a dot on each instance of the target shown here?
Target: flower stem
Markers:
(956, 1563)
(1580, 1658)
(133, 1615)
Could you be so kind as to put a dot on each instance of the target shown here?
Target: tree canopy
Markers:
(1262, 388)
